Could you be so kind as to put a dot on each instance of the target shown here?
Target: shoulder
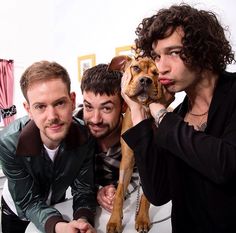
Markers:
(78, 133)
(79, 121)
(227, 77)
(227, 84)
(10, 133)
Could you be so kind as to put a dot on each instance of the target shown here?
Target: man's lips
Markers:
(55, 126)
(166, 81)
(96, 127)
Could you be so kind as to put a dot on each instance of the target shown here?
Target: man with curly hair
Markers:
(188, 156)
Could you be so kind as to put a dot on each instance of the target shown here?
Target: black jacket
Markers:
(195, 170)
(31, 173)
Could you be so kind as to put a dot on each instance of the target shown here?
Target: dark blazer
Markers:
(195, 170)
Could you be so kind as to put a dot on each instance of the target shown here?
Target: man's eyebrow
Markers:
(54, 102)
(167, 49)
(60, 99)
(107, 102)
(104, 103)
(38, 103)
(86, 102)
(172, 47)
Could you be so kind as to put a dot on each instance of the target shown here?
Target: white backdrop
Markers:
(62, 30)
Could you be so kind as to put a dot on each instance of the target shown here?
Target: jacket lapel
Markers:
(29, 143)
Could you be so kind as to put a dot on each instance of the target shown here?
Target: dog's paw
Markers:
(142, 226)
(113, 227)
(143, 231)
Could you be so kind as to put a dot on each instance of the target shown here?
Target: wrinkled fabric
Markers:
(31, 173)
(195, 170)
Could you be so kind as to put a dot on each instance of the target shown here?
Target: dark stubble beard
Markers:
(107, 133)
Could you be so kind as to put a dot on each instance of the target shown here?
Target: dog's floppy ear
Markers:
(119, 63)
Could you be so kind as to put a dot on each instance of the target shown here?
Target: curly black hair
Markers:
(204, 42)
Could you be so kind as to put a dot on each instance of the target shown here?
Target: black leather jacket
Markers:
(31, 174)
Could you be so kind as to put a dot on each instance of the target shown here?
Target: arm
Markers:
(83, 188)
(25, 192)
(213, 154)
(152, 169)
(83, 191)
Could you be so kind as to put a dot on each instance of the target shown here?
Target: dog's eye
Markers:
(155, 72)
(136, 69)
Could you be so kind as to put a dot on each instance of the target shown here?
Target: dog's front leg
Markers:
(142, 221)
(114, 224)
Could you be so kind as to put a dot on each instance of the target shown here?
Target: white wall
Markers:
(62, 30)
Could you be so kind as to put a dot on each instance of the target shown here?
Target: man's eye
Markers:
(39, 107)
(156, 58)
(107, 110)
(60, 103)
(88, 108)
(175, 52)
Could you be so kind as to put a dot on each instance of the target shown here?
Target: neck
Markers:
(50, 144)
(200, 95)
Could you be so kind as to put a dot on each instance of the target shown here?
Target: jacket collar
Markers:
(30, 143)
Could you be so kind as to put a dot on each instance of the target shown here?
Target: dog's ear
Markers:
(119, 63)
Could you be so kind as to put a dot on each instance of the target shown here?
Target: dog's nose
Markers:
(145, 81)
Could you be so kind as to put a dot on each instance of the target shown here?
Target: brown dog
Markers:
(144, 88)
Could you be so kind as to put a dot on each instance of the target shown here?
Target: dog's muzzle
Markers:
(145, 81)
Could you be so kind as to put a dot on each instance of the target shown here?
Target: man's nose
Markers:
(51, 113)
(163, 65)
(96, 117)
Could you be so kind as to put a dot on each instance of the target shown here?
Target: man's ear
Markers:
(73, 99)
(27, 108)
(124, 107)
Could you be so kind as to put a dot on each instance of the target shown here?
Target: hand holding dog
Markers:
(137, 111)
(166, 98)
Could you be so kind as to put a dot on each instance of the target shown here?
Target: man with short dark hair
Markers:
(103, 107)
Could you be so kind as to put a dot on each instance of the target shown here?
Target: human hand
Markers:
(75, 226)
(105, 197)
(124, 82)
(167, 97)
(85, 226)
(138, 113)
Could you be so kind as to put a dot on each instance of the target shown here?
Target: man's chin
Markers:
(99, 135)
(57, 136)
